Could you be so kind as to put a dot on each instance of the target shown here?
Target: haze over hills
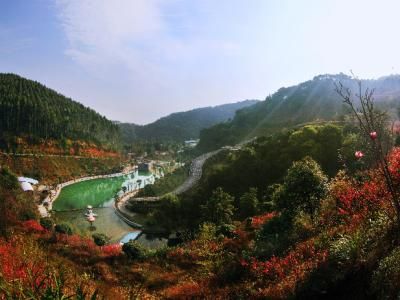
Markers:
(181, 126)
(309, 101)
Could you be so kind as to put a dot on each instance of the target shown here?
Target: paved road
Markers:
(196, 170)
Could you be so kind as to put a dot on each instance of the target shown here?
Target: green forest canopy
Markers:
(313, 100)
(28, 108)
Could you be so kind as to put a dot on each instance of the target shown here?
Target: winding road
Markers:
(195, 172)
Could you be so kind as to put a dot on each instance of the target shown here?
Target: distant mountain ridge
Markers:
(309, 101)
(181, 126)
(33, 114)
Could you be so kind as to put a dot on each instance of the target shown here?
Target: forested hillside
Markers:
(30, 110)
(182, 125)
(312, 100)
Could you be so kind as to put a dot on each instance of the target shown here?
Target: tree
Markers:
(248, 204)
(63, 228)
(133, 250)
(218, 208)
(373, 125)
(168, 212)
(302, 189)
(100, 239)
(47, 223)
(8, 190)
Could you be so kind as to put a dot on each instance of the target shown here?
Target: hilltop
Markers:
(313, 100)
(182, 126)
(32, 114)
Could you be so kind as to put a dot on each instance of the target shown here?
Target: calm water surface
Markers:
(70, 208)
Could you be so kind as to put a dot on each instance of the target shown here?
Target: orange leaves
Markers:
(356, 200)
(32, 226)
(394, 164)
(185, 290)
(21, 266)
(111, 250)
(258, 221)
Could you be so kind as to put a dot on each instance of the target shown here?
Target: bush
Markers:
(344, 250)
(8, 179)
(226, 230)
(303, 188)
(100, 239)
(63, 228)
(27, 214)
(47, 223)
(134, 250)
(386, 278)
(273, 238)
(32, 226)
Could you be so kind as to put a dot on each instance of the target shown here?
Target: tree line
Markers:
(28, 108)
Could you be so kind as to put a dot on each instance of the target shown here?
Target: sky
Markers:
(138, 60)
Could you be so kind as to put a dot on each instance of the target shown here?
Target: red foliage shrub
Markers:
(185, 290)
(394, 164)
(279, 276)
(183, 256)
(355, 201)
(32, 226)
(81, 246)
(258, 221)
(111, 250)
(20, 270)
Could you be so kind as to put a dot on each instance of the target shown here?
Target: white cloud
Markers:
(147, 45)
(105, 32)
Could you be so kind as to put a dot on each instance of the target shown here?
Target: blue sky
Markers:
(138, 60)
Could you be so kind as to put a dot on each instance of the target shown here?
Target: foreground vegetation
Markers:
(305, 213)
(334, 238)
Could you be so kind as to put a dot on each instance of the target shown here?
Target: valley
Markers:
(262, 204)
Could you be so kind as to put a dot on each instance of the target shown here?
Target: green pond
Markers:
(70, 208)
(95, 192)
